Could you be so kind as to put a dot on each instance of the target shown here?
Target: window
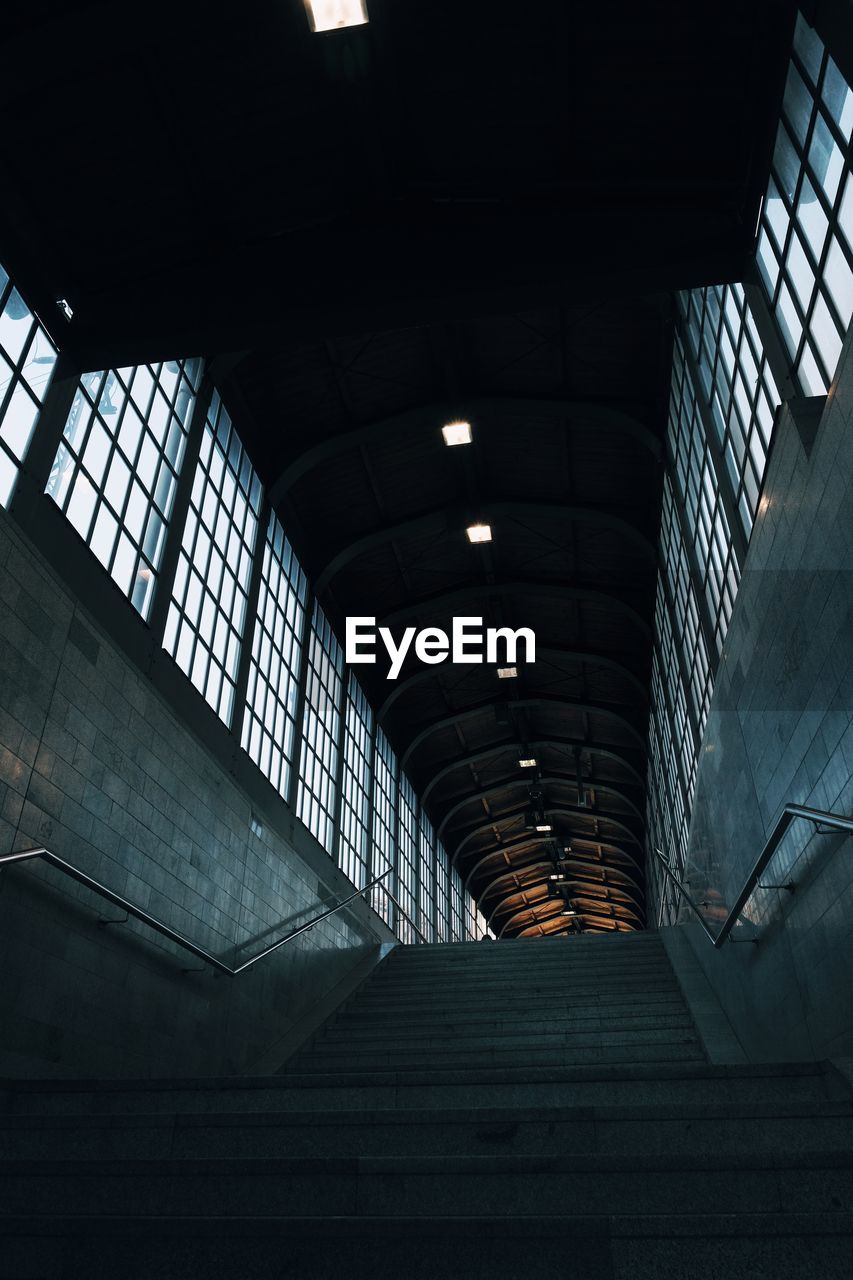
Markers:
(384, 823)
(805, 245)
(740, 392)
(354, 846)
(442, 894)
(116, 470)
(407, 857)
(457, 907)
(27, 360)
(269, 724)
(321, 732)
(207, 615)
(426, 879)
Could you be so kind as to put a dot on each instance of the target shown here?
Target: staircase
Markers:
(474, 1110)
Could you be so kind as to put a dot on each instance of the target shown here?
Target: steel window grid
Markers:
(384, 821)
(207, 614)
(426, 879)
(321, 732)
(407, 855)
(457, 906)
(354, 834)
(269, 723)
(785, 238)
(739, 390)
(698, 485)
(116, 470)
(27, 361)
(442, 893)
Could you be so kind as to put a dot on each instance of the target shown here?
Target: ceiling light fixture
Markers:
(528, 762)
(568, 912)
(508, 673)
(479, 533)
(329, 15)
(457, 433)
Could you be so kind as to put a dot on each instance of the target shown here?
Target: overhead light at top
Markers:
(479, 532)
(528, 762)
(508, 673)
(457, 433)
(328, 15)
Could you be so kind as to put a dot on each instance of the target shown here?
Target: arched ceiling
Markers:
(460, 210)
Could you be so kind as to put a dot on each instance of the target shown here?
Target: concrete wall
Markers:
(95, 765)
(780, 730)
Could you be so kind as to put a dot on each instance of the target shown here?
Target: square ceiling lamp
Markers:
(329, 15)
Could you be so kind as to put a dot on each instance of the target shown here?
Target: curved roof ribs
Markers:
(450, 520)
(430, 417)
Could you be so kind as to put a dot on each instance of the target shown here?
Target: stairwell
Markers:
(473, 1110)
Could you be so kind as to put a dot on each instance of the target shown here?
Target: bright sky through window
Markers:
(27, 357)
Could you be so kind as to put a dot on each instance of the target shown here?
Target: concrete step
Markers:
(521, 948)
(517, 1039)
(354, 1029)
(411, 972)
(672, 1129)
(565, 1246)
(428, 1187)
(491, 994)
(597, 1085)
(545, 1013)
(688, 1051)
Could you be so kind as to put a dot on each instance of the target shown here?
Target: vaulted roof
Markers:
(461, 210)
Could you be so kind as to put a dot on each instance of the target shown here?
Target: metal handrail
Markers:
(820, 818)
(402, 911)
(125, 904)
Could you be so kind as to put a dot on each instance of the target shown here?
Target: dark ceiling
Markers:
(463, 209)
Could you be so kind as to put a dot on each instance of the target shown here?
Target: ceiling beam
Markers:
(583, 708)
(554, 809)
(429, 418)
(509, 784)
(451, 520)
(477, 757)
(526, 843)
(600, 660)
(528, 587)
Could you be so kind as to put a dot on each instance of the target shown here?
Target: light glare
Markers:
(507, 673)
(328, 15)
(528, 764)
(479, 532)
(457, 433)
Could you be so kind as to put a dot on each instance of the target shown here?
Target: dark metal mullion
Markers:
(301, 687)
(340, 769)
(176, 525)
(247, 639)
(716, 457)
(55, 407)
(793, 228)
(681, 661)
(207, 645)
(669, 710)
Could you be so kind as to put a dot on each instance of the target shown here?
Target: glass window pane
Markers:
(273, 686)
(101, 452)
(214, 611)
(27, 360)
